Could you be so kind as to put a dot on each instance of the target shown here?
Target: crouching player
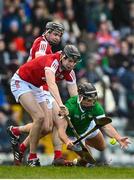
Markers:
(82, 109)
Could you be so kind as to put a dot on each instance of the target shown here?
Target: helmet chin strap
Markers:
(82, 106)
(46, 32)
(80, 98)
(62, 67)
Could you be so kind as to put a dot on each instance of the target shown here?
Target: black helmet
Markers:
(72, 52)
(54, 26)
(87, 90)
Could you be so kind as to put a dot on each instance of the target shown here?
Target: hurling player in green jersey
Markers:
(82, 110)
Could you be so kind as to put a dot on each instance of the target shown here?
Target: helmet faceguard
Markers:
(53, 27)
(72, 52)
(88, 91)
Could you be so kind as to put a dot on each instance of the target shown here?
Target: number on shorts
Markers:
(17, 84)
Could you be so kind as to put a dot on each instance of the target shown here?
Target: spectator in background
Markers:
(40, 15)
(72, 31)
(127, 80)
(120, 14)
(80, 68)
(130, 41)
(14, 56)
(91, 42)
(123, 58)
(3, 57)
(28, 36)
(104, 36)
(3, 98)
(59, 9)
(5, 121)
(22, 15)
(10, 16)
(107, 61)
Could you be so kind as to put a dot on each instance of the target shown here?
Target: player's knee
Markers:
(46, 129)
(44, 132)
(40, 119)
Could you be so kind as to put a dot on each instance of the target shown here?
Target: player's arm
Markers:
(61, 125)
(108, 129)
(72, 89)
(71, 84)
(111, 132)
(39, 47)
(53, 88)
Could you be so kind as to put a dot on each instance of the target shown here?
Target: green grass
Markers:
(50, 172)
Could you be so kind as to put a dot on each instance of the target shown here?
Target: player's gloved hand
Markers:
(124, 142)
(63, 111)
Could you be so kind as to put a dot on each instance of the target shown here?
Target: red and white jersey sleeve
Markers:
(70, 77)
(40, 47)
(53, 66)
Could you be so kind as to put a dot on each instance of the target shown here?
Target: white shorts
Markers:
(19, 87)
(93, 134)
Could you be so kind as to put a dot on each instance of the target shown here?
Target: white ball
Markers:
(75, 161)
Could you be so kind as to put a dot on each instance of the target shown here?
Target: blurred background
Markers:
(103, 30)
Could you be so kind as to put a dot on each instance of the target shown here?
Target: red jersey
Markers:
(34, 70)
(40, 46)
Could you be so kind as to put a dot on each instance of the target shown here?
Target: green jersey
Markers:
(81, 119)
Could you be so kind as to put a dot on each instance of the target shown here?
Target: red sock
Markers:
(57, 154)
(15, 131)
(32, 156)
(22, 148)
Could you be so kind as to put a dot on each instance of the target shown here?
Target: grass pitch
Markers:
(50, 172)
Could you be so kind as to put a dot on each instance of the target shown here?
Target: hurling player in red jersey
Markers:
(26, 83)
(41, 46)
(51, 37)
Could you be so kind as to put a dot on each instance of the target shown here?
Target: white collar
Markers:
(78, 101)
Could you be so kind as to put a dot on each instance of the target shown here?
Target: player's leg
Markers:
(44, 130)
(57, 143)
(90, 141)
(25, 93)
(96, 142)
(45, 127)
(16, 131)
(29, 103)
(47, 110)
(25, 144)
(95, 139)
(19, 149)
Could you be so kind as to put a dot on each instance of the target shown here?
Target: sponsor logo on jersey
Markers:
(83, 116)
(90, 116)
(76, 116)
